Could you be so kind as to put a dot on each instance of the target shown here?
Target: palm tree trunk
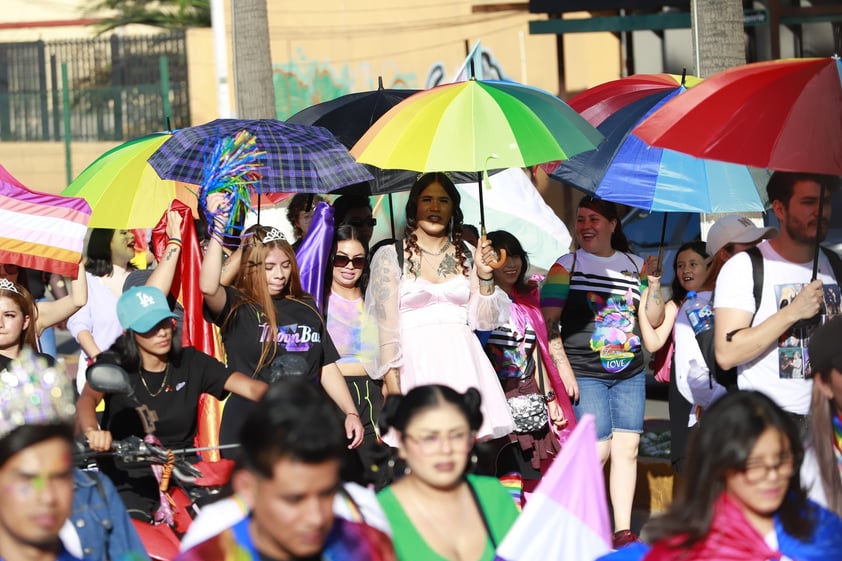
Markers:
(252, 60)
(718, 35)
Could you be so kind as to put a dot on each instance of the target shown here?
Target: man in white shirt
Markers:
(754, 339)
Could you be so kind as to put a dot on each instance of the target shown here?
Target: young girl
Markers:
(270, 326)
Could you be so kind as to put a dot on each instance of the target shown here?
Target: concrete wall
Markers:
(41, 165)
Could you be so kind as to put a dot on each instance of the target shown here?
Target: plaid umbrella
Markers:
(299, 158)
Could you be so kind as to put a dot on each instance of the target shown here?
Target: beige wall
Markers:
(40, 165)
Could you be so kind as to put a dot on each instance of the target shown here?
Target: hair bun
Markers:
(390, 409)
(472, 399)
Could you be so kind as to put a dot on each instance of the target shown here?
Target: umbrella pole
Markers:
(659, 266)
(818, 231)
(258, 207)
(482, 233)
(392, 216)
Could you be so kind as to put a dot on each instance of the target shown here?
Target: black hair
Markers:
(125, 352)
(28, 435)
(781, 184)
(720, 447)
(345, 232)
(608, 210)
(293, 420)
(471, 228)
(505, 240)
(399, 410)
(99, 262)
(345, 203)
(678, 292)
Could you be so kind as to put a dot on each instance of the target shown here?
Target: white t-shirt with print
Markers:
(776, 371)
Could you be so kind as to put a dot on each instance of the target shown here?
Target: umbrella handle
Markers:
(501, 252)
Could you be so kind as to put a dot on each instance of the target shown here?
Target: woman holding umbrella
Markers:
(595, 293)
(428, 295)
(270, 326)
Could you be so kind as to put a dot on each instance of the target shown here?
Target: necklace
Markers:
(163, 382)
(441, 250)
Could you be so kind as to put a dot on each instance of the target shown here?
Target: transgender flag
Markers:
(567, 515)
(41, 231)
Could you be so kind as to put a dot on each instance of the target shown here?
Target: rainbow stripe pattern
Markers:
(41, 231)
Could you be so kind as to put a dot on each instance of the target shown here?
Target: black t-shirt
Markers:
(304, 346)
(177, 404)
(5, 361)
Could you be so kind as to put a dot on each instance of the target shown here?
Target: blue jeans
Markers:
(617, 405)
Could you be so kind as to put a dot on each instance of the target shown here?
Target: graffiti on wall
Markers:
(302, 82)
(491, 69)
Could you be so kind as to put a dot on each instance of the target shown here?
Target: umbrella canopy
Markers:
(349, 116)
(465, 125)
(625, 170)
(298, 158)
(783, 115)
(124, 191)
(41, 231)
(600, 102)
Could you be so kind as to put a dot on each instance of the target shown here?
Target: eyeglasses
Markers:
(342, 261)
(755, 472)
(362, 222)
(434, 442)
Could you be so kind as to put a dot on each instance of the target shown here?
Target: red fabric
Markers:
(528, 305)
(197, 332)
(731, 538)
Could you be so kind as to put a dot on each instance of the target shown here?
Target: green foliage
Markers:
(167, 14)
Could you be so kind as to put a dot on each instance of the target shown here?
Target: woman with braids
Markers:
(822, 470)
(429, 298)
(270, 326)
(742, 497)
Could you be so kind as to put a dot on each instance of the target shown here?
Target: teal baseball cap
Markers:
(141, 308)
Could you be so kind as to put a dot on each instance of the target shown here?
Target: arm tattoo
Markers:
(553, 333)
(170, 252)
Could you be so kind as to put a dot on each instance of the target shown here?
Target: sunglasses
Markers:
(342, 261)
(363, 222)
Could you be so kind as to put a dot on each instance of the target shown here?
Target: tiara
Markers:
(33, 393)
(273, 235)
(6, 284)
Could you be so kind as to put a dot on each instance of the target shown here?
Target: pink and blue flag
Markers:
(41, 231)
(567, 515)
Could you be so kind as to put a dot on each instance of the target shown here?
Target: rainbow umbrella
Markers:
(473, 125)
(124, 191)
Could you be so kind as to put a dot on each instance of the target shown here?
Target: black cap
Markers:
(825, 347)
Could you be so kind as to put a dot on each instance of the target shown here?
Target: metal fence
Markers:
(117, 87)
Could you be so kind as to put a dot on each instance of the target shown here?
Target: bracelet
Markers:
(357, 415)
(549, 397)
(489, 279)
(486, 282)
(174, 241)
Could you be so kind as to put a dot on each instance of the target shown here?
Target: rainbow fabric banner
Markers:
(41, 231)
(567, 515)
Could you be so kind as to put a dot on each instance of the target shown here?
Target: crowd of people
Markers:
(428, 368)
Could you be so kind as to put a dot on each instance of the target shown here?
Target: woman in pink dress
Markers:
(429, 300)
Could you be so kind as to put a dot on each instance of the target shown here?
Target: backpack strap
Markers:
(757, 274)
(835, 262)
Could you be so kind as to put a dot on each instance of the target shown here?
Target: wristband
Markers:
(357, 415)
(174, 241)
(549, 397)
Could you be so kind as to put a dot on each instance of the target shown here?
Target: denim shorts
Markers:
(617, 405)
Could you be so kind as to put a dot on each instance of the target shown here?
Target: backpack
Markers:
(728, 378)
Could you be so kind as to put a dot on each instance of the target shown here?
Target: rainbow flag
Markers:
(567, 515)
(41, 231)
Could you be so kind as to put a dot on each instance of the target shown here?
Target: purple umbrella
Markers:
(299, 158)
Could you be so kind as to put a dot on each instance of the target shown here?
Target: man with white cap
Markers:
(759, 340)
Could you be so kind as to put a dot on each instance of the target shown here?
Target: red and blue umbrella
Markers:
(625, 170)
(298, 158)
